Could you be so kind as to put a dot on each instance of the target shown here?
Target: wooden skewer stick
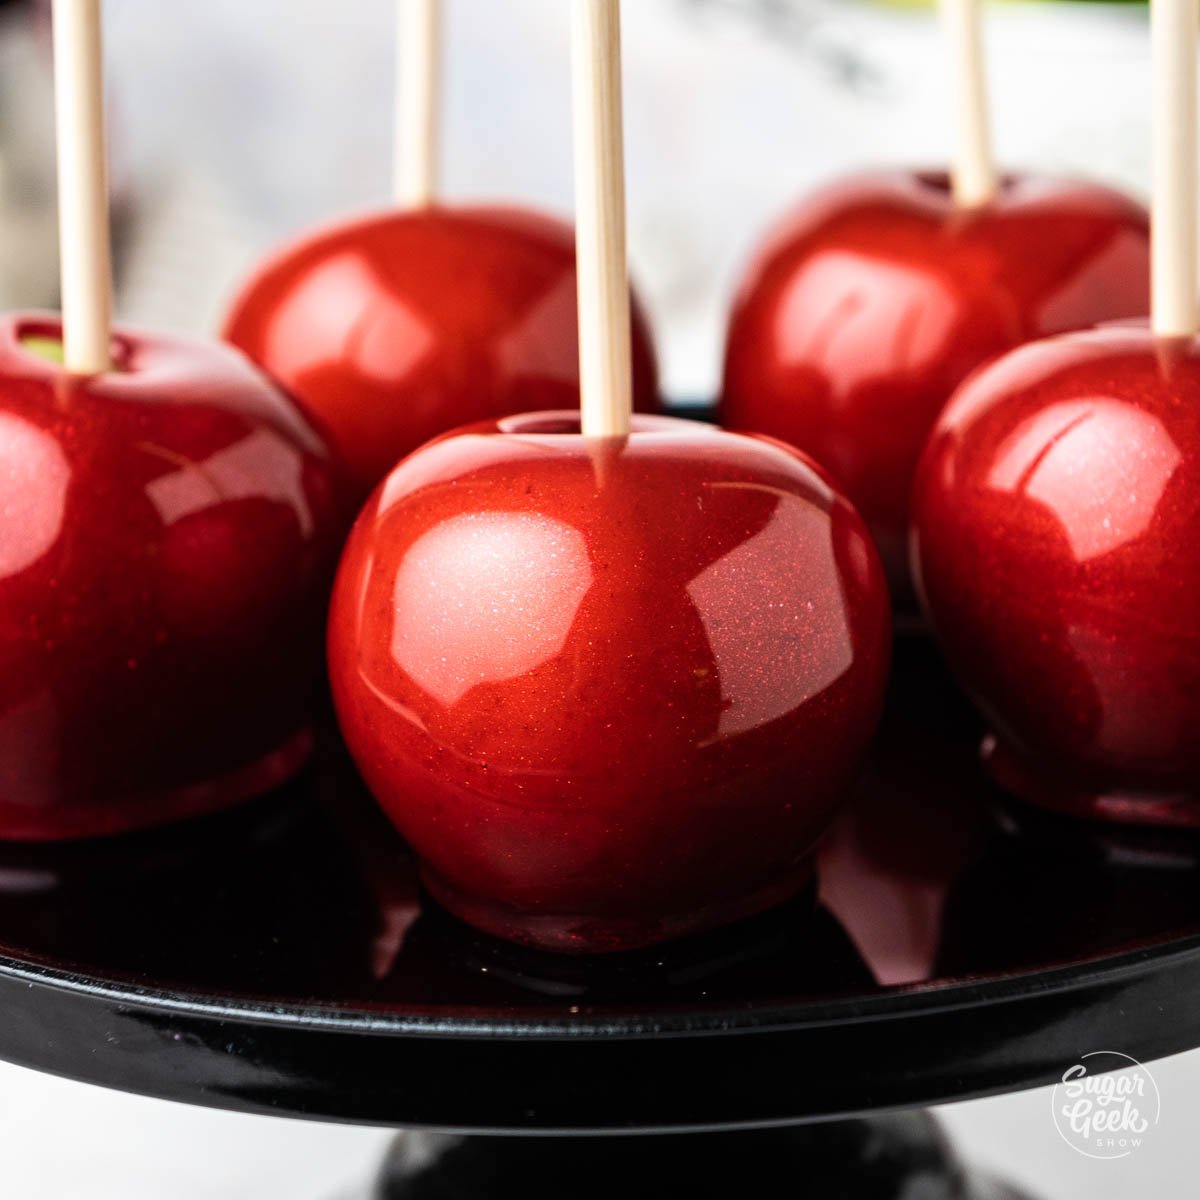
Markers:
(1174, 36)
(973, 177)
(418, 101)
(605, 363)
(84, 238)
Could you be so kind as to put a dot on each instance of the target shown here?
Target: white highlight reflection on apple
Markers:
(486, 597)
(34, 475)
(793, 640)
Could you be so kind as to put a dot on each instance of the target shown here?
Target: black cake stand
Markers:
(281, 959)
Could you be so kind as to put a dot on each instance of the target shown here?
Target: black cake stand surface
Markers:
(282, 959)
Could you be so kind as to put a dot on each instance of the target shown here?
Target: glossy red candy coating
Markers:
(167, 540)
(874, 300)
(394, 329)
(1057, 549)
(611, 692)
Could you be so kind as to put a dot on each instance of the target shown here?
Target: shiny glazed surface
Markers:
(1057, 518)
(611, 692)
(396, 328)
(874, 300)
(166, 547)
(246, 986)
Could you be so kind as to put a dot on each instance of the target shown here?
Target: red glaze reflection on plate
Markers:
(396, 328)
(166, 547)
(611, 691)
(1057, 547)
(872, 302)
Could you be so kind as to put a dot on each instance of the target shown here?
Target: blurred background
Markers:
(237, 123)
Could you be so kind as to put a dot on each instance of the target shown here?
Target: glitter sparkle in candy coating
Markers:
(874, 300)
(168, 536)
(611, 691)
(394, 329)
(1056, 516)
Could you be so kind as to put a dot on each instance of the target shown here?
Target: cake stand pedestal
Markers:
(282, 959)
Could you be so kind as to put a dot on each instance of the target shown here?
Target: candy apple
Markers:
(872, 302)
(610, 689)
(399, 327)
(168, 536)
(1055, 547)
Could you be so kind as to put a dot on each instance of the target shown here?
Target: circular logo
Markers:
(1106, 1105)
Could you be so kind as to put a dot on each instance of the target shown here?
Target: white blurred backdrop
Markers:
(239, 122)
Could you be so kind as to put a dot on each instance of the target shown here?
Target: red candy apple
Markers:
(609, 689)
(873, 301)
(396, 328)
(167, 536)
(1057, 518)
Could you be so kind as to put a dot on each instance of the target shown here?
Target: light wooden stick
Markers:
(418, 101)
(606, 376)
(1174, 36)
(82, 187)
(973, 177)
